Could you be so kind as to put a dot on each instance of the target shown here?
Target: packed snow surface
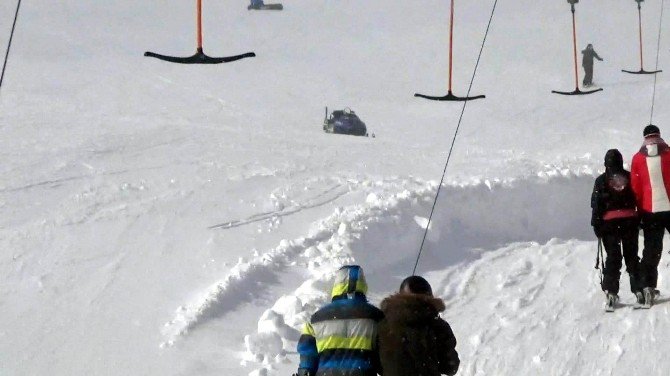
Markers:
(164, 219)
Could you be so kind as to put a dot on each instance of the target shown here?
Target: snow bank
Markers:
(383, 234)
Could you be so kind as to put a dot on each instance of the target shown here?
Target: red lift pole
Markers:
(200, 57)
(574, 52)
(639, 22)
(450, 95)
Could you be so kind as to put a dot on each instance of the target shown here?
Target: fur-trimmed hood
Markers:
(411, 308)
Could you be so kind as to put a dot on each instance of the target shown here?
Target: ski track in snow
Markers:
(224, 295)
(324, 198)
(520, 300)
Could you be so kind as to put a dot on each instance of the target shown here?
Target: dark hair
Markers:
(416, 285)
(651, 130)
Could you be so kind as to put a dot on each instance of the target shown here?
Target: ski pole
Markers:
(602, 255)
(599, 261)
(598, 256)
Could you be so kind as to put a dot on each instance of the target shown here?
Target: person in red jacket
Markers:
(650, 179)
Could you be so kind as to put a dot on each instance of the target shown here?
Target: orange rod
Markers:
(574, 47)
(199, 21)
(451, 44)
(639, 10)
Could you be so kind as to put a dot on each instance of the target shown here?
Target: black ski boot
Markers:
(611, 301)
(649, 294)
(639, 300)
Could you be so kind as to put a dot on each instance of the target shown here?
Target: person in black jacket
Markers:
(587, 62)
(413, 339)
(256, 4)
(615, 222)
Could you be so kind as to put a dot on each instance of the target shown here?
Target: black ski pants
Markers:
(620, 238)
(588, 75)
(654, 227)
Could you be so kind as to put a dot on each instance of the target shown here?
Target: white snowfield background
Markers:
(114, 166)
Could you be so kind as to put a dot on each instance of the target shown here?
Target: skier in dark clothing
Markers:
(256, 4)
(615, 223)
(413, 339)
(587, 62)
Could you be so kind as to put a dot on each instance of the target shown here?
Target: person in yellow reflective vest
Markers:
(340, 339)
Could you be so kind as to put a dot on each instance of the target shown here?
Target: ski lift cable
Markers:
(9, 45)
(453, 141)
(658, 52)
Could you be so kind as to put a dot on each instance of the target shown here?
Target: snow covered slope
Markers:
(115, 166)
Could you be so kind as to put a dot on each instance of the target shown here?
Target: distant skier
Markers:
(413, 339)
(615, 222)
(256, 4)
(260, 5)
(650, 177)
(341, 338)
(587, 62)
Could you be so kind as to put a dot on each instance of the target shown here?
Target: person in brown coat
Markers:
(413, 339)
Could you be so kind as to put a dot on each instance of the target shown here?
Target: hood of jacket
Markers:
(613, 161)
(349, 283)
(411, 309)
(653, 146)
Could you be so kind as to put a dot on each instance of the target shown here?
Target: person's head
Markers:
(651, 131)
(614, 160)
(349, 282)
(416, 285)
(589, 46)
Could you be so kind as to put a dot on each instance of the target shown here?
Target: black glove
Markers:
(598, 230)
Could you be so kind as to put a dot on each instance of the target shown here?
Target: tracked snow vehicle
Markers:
(344, 122)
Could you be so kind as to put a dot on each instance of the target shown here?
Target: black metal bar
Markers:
(9, 45)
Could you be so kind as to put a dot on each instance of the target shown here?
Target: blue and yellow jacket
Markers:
(341, 338)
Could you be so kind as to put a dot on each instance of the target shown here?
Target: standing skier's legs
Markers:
(588, 75)
(612, 271)
(651, 255)
(629, 242)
